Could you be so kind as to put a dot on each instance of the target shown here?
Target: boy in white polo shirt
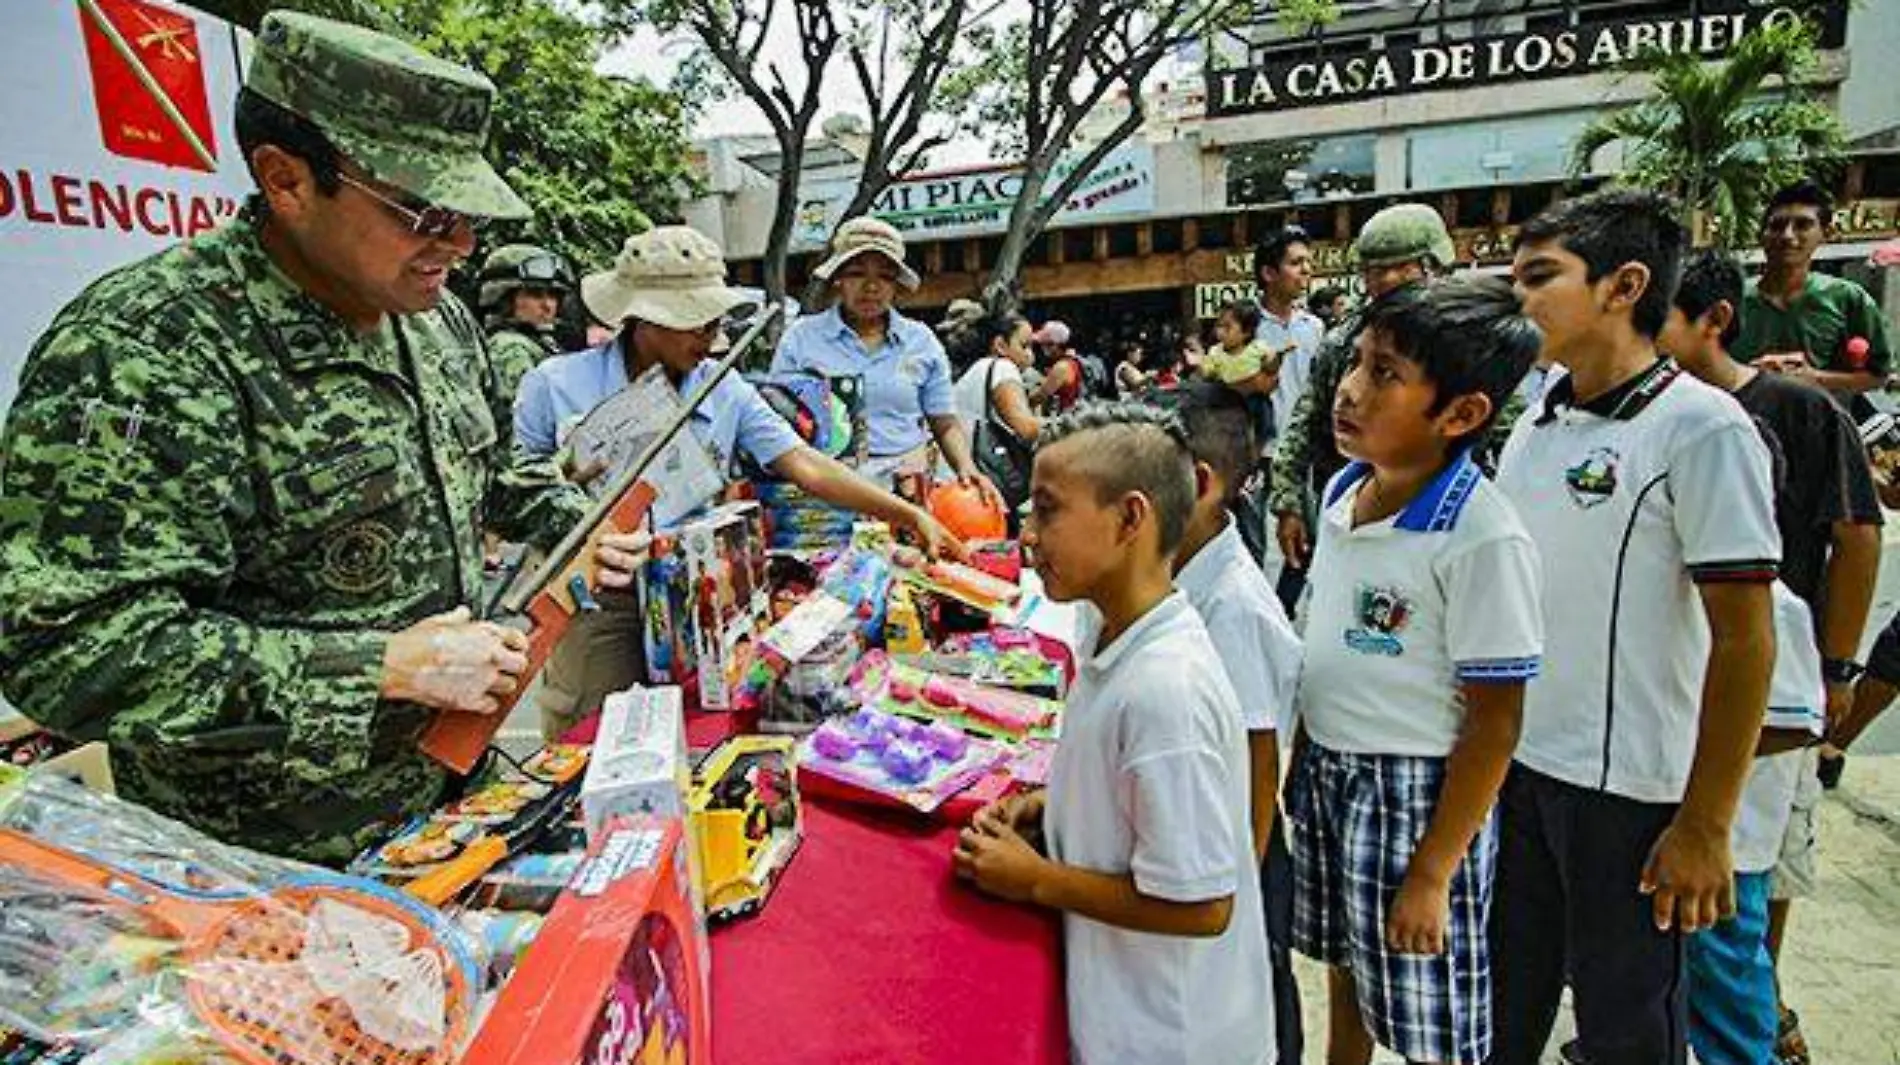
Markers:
(1256, 646)
(1423, 627)
(1733, 1011)
(1148, 850)
(1648, 495)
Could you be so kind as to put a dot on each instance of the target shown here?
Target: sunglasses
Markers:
(423, 219)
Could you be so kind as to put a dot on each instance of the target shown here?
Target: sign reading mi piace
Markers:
(1590, 47)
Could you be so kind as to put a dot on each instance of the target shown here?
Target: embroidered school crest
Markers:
(1383, 614)
(1593, 480)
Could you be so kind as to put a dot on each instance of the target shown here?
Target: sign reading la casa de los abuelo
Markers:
(1534, 54)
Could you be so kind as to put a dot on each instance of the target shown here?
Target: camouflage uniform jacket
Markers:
(217, 500)
(514, 351)
(1306, 455)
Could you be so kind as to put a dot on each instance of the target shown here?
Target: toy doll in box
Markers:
(705, 597)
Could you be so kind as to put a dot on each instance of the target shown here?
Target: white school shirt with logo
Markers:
(1251, 635)
(1405, 610)
(1151, 780)
(1629, 509)
(1797, 701)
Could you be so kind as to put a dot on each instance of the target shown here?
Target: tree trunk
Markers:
(1004, 290)
(778, 242)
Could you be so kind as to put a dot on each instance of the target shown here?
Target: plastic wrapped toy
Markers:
(887, 684)
(888, 758)
(144, 941)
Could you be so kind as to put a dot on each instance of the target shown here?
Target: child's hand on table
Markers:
(997, 859)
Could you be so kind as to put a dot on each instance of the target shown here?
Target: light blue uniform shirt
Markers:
(905, 381)
(1304, 330)
(559, 392)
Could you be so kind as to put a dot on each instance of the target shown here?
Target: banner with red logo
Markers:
(116, 144)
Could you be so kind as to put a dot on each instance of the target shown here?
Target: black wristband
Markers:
(1841, 670)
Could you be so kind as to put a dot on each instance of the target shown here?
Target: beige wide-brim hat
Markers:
(671, 276)
(865, 235)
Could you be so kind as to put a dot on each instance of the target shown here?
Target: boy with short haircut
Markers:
(1828, 514)
(1424, 627)
(1148, 852)
(1256, 646)
(1648, 495)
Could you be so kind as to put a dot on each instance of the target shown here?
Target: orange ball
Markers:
(963, 510)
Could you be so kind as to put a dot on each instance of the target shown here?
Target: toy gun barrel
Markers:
(563, 553)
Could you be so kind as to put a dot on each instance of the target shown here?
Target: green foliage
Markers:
(1724, 136)
(1306, 16)
(596, 157)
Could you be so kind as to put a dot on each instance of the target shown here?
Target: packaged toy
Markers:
(746, 823)
(618, 972)
(640, 763)
(705, 599)
(141, 940)
(894, 687)
(890, 758)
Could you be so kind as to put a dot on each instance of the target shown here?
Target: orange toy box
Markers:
(619, 973)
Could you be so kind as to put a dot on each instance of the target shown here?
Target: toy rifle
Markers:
(563, 586)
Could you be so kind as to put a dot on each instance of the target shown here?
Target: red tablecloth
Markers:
(871, 951)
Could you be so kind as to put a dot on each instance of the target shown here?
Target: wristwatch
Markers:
(1841, 670)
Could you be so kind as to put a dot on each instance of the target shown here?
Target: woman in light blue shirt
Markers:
(907, 390)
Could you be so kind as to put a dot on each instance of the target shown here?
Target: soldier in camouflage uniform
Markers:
(520, 300)
(245, 480)
(1400, 246)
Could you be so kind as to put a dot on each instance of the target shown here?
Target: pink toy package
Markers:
(882, 683)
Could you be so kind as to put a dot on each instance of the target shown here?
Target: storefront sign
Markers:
(1867, 220)
(1288, 84)
(972, 203)
(133, 150)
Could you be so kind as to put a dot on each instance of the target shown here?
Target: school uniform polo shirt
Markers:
(906, 380)
(1820, 320)
(1248, 627)
(1797, 702)
(1151, 780)
(1633, 499)
(1406, 610)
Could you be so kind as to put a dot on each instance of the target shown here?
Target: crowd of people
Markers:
(1582, 559)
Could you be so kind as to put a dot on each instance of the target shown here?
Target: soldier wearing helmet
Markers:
(520, 299)
(1400, 246)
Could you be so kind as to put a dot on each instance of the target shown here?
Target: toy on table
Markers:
(704, 594)
(895, 687)
(887, 757)
(903, 625)
(966, 512)
(1005, 658)
(1002, 559)
(639, 763)
(618, 972)
(745, 822)
(965, 584)
(862, 580)
(564, 584)
(438, 855)
(314, 967)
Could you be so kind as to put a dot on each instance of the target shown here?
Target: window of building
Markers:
(1078, 245)
(1038, 253)
(1300, 170)
(1494, 152)
(1216, 232)
(1121, 242)
(1167, 235)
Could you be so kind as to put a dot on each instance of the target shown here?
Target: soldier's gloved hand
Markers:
(451, 662)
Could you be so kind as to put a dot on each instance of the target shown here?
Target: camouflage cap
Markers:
(1403, 233)
(410, 119)
(517, 266)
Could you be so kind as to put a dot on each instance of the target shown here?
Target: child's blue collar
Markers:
(1437, 507)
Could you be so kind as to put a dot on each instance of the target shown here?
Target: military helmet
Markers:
(513, 267)
(1403, 233)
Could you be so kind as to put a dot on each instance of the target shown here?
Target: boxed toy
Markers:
(639, 763)
(746, 823)
(705, 598)
(619, 970)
